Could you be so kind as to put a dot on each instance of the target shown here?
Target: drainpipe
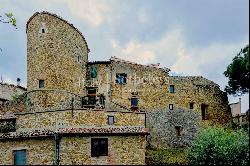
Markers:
(57, 150)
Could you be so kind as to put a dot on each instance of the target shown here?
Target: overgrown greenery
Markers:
(15, 96)
(238, 73)
(170, 156)
(217, 146)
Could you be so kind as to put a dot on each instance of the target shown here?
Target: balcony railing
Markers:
(46, 100)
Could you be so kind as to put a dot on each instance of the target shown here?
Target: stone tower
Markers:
(57, 54)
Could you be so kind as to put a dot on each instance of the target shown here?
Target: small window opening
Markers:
(43, 30)
(99, 147)
(191, 105)
(121, 78)
(204, 108)
(20, 157)
(92, 96)
(111, 120)
(171, 89)
(41, 83)
(171, 106)
(134, 102)
(178, 130)
(78, 59)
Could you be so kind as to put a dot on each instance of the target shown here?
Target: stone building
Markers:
(9, 91)
(81, 112)
(55, 122)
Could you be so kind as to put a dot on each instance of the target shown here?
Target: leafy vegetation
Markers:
(8, 18)
(217, 146)
(170, 156)
(15, 96)
(238, 73)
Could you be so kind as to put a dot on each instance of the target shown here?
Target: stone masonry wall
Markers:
(152, 85)
(8, 90)
(39, 151)
(80, 118)
(199, 90)
(162, 125)
(52, 54)
(123, 150)
(76, 151)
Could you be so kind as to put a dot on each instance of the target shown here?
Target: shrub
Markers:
(170, 156)
(217, 146)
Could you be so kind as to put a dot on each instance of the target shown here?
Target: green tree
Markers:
(8, 18)
(238, 73)
(217, 146)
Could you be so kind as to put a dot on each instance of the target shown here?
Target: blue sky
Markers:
(195, 37)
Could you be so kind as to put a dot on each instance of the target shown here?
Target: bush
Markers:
(170, 156)
(216, 146)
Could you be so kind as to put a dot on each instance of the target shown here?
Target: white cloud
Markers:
(170, 46)
(94, 12)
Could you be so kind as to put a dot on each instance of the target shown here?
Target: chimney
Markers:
(18, 80)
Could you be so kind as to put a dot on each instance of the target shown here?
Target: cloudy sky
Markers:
(195, 37)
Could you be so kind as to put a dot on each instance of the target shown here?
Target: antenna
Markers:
(1, 78)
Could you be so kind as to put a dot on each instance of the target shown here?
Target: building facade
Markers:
(81, 112)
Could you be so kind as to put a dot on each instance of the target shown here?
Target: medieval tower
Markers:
(57, 54)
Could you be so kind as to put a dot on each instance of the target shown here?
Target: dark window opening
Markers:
(134, 102)
(171, 106)
(99, 147)
(121, 78)
(171, 88)
(78, 59)
(41, 83)
(20, 157)
(111, 120)
(43, 30)
(191, 105)
(93, 72)
(7, 125)
(178, 130)
(92, 96)
(102, 100)
(204, 111)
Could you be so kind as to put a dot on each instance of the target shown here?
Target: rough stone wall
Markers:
(132, 151)
(8, 90)
(53, 55)
(199, 90)
(102, 81)
(80, 118)
(152, 85)
(162, 123)
(148, 82)
(39, 151)
(76, 151)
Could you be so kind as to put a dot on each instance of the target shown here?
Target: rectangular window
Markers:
(8, 125)
(111, 120)
(20, 157)
(99, 147)
(78, 59)
(171, 88)
(134, 102)
(121, 78)
(41, 83)
(191, 105)
(171, 106)
(178, 130)
(91, 96)
(204, 111)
